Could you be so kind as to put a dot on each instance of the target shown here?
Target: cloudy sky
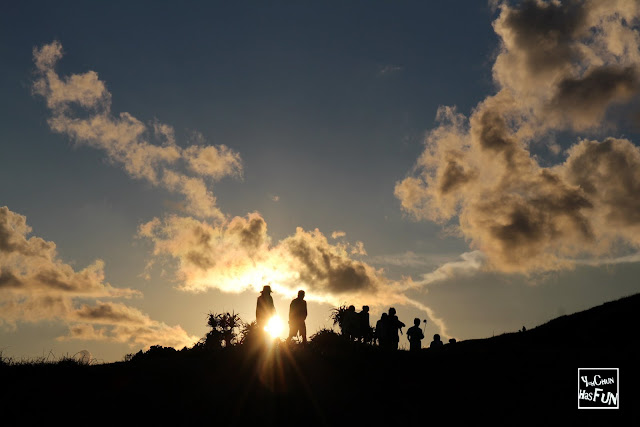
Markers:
(475, 164)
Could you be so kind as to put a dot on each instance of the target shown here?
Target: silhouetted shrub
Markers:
(326, 341)
(225, 329)
(250, 334)
(338, 315)
(155, 352)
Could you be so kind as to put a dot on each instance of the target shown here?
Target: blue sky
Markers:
(327, 105)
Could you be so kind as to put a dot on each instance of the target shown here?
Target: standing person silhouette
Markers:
(395, 325)
(365, 327)
(382, 331)
(264, 307)
(351, 323)
(297, 316)
(436, 343)
(415, 336)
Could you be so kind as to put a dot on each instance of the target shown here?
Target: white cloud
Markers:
(126, 140)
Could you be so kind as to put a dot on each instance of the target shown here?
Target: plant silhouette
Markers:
(225, 329)
(338, 315)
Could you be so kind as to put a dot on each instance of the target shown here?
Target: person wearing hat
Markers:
(265, 308)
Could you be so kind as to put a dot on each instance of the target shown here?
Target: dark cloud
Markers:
(324, 268)
(200, 260)
(454, 173)
(609, 173)
(546, 32)
(253, 233)
(110, 313)
(586, 98)
(9, 280)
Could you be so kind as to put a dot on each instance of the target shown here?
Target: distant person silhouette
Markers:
(382, 331)
(350, 329)
(297, 316)
(395, 325)
(264, 307)
(415, 336)
(452, 340)
(365, 328)
(436, 343)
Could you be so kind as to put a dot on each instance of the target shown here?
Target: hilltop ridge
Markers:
(529, 375)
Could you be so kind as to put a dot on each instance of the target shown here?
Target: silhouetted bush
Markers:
(155, 352)
(250, 334)
(327, 341)
(338, 315)
(225, 329)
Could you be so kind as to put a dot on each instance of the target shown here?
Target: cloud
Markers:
(627, 259)
(358, 249)
(240, 255)
(409, 259)
(389, 69)
(153, 333)
(338, 234)
(80, 107)
(30, 266)
(35, 285)
(470, 263)
(561, 66)
(555, 53)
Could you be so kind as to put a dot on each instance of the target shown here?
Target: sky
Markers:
(473, 164)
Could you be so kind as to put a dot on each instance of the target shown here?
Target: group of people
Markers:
(265, 310)
(355, 325)
(415, 335)
(387, 329)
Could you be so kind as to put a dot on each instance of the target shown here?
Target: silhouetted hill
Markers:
(610, 326)
(521, 378)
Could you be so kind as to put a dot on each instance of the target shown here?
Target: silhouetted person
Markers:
(436, 343)
(523, 329)
(452, 340)
(415, 336)
(365, 328)
(395, 325)
(264, 308)
(350, 327)
(297, 316)
(382, 331)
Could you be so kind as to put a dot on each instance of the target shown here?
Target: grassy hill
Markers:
(521, 378)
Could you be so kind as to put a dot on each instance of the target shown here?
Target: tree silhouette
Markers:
(225, 328)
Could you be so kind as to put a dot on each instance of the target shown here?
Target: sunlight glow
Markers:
(274, 327)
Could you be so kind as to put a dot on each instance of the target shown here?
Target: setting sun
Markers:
(274, 327)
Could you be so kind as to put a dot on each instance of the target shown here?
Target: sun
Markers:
(274, 327)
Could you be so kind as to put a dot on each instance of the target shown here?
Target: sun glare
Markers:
(274, 327)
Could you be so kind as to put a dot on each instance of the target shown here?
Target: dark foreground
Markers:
(514, 379)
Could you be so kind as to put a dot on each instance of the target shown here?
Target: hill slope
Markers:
(513, 379)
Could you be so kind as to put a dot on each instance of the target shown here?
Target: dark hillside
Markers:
(520, 378)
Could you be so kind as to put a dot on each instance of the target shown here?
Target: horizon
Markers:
(168, 162)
